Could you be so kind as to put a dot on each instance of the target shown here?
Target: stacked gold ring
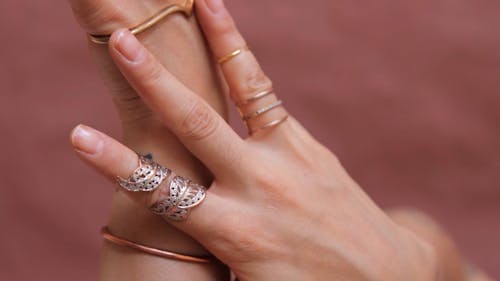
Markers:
(261, 111)
(260, 95)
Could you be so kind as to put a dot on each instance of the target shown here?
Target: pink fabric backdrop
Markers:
(405, 92)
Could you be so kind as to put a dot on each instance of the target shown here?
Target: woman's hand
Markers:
(177, 42)
(281, 206)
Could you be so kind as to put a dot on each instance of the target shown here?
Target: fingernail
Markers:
(129, 46)
(86, 140)
(215, 6)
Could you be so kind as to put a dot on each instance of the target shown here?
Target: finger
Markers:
(105, 16)
(242, 71)
(188, 116)
(112, 159)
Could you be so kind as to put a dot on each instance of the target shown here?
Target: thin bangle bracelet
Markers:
(107, 235)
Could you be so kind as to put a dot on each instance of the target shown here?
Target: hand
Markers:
(175, 41)
(281, 206)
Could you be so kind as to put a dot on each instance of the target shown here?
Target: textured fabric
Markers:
(405, 92)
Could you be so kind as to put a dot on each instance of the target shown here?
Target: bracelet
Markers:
(187, 9)
(108, 236)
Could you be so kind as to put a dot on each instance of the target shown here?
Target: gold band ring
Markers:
(231, 55)
(262, 110)
(255, 97)
(187, 9)
(271, 124)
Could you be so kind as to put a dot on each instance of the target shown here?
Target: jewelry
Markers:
(186, 9)
(183, 196)
(271, 124)
(107, 235)
(147, 177)
(247, 117)
(262, 110)
(255, 97)
(231, 55)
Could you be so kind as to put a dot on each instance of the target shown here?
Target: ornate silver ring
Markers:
(147, 177)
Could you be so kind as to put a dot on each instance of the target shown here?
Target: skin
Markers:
(262, 224)
(179, 44)
(411, 245)
(451, 264)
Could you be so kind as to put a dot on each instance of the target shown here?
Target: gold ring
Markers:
(271, 124)
(187, 9)
(231, 55)
(255, 97)
(262, 110)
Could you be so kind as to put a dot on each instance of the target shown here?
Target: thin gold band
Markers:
(187, 9)
(262, 110)
(255, 97)
(271, 124)
(107, 235)
(231, 55)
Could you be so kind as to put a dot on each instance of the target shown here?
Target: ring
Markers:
(187, 9)
(183, 196)
(271, 124)
(231, 55)
(147, 177)
(255, 97)
(262, 110)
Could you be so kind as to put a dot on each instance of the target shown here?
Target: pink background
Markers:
(405, 92)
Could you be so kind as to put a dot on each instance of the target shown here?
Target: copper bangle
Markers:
(187, 9)
(107, 235)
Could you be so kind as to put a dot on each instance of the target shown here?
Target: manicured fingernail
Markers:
(129, 46)
(215, 5)
(86, 140)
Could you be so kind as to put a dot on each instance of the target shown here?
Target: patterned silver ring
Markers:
(183, 196)
(147, 177)
(177, 197)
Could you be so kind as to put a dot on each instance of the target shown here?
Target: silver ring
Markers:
(146, 178)
(183, 196)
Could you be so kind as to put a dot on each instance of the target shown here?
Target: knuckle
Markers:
(198, 123)
(98, 13)
(273, 185)
(224, 26)
(256, 81)
(334, 159)
(151, 74)
(131, 109)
